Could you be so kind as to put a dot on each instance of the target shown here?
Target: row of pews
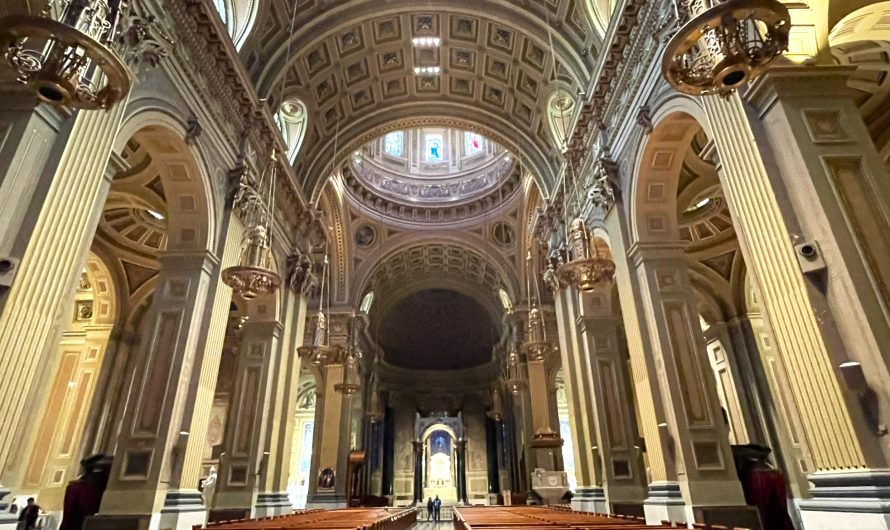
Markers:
(345, 519)
(552, 518)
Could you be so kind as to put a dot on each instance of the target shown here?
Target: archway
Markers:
(158, 203)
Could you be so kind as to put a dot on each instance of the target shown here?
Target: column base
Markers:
(665, 503)
(590, 499)
(848, 499)
(326, 502)
(7, 520)
(181, 511)
(276, 503)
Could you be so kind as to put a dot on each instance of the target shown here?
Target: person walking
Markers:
(429, 509)
(437, 508)
(28, 515)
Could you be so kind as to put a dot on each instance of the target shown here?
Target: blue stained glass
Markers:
(393, 143)
(434, 148)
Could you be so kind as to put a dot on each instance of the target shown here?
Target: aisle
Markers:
(426, 525)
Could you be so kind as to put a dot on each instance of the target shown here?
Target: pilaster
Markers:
(245, 463)
(48, 273)
(695, 434)
(827, 183)
(590, 495)
(617, 446)
(145, 487)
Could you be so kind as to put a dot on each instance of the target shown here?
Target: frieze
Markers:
(209, 60)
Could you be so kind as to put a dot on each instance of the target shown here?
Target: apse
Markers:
(437, 329)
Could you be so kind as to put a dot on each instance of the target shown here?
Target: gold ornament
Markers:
(61, 53)
(725, 46)
(583, 269)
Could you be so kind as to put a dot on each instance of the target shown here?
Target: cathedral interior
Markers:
(355, 263)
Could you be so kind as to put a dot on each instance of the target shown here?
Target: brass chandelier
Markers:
(724, 44)
(319, 352)
(65, 54)
(253, 276)
(582, 268)
(351, 377)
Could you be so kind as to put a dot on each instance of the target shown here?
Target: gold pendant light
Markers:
(253, 276)
(65, 54)
(584, 269)
(319, 353)
(725, 44)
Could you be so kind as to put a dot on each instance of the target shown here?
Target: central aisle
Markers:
(427, 525)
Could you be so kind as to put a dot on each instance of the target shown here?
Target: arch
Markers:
(239, 16)
(862, 39)
(184, 176)
(292, 121)
(653, 209)
(599, 12)
(487, 256)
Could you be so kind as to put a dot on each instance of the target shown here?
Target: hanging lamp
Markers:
(253, 276)
(65, 54)
(351, 376)
(724, 44)
(584, 269)
(319, 352)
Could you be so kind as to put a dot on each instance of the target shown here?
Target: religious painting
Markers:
(473, 144)
(440, 442)
(326, 479)
(393, 143)
(435, 148)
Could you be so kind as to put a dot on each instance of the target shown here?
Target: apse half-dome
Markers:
(432, 173)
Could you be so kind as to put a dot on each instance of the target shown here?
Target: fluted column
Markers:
(326, 449)
(145, 485)
(617, 453)
(590, 495)
(210, 347)
(695, 434)
(48, 274)
(273, 498)
(828, 184)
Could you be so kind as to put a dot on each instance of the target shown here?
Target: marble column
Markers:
(244, 464)
(145, 488)
(273, 497)
(418, 471)
(617, 455)
(590, 495)
(461, 450)
(826, 305)
(48, 273)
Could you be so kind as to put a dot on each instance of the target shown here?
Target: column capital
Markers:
(273, 327)
(185, 260)
(795, 81)
(639, 251)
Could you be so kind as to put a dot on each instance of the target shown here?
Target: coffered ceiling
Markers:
(352, 63)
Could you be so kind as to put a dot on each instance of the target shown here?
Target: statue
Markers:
(578, 240)
(299, 268)
(208, 488)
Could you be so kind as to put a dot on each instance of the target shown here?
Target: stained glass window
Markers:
(435, 148)
(393, 143)
(473, 143)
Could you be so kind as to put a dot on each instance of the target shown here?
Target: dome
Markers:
(432, 168)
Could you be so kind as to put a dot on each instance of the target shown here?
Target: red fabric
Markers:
(765, 489)
(82, 499)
